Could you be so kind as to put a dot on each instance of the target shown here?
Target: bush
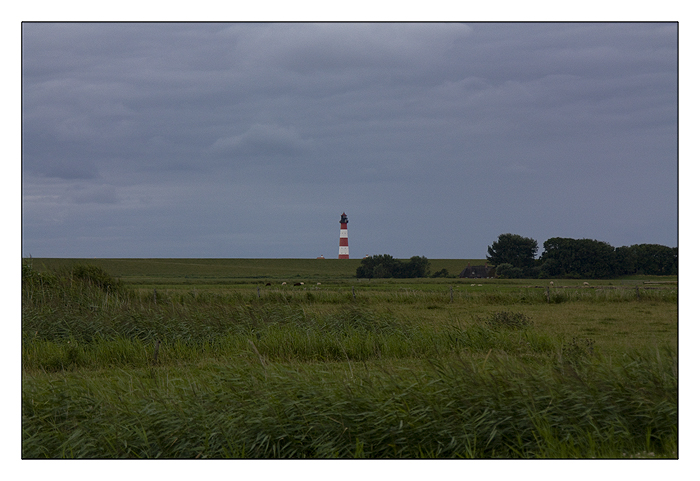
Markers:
(507, 271)
(97, 277)
(385, 266)
(441, 273)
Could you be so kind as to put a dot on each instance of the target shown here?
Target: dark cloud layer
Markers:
(249, 140)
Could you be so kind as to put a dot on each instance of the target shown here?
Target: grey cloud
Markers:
(317, 47)
(57, 164)
(262, 140)
(98, 194)
(236, 129)
(67, 192)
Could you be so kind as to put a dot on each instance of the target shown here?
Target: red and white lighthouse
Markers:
(343, 252)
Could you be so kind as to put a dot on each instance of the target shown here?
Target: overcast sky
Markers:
(250, 140)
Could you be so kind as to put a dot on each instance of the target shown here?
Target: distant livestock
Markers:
(284, 283)
(298, 283)
(551, 283)
(586, 284)
(268, 284)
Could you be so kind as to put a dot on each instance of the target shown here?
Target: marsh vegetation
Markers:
(155, 365)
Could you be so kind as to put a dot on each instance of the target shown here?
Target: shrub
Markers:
(441, 273)
(96, 276)
(507, 271)
(385, 266)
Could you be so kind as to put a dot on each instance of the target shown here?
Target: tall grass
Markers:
(457, 408)
(113, 372)
(281, 334)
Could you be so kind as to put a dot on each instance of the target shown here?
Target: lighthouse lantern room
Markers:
(343, 251)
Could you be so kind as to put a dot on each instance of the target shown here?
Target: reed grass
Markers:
(393, 371)
(450, 408)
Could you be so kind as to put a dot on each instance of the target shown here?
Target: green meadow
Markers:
(238, 271)
(201, 358)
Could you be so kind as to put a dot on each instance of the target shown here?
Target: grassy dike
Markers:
(226, 271)
(392, 370)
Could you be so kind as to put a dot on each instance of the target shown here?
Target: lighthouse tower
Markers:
(343, 252)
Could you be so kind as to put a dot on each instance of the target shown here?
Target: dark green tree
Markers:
(415, 267)
(587, 258)
(385, 266)
(380, 266)
(513, 249)
(507, 271)
(654, 259)
(625, 261)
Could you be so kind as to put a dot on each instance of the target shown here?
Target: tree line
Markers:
(514, 257)
(385, 266)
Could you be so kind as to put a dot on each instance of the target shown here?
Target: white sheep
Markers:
(586, 284)
(551, 283)
(284, 283)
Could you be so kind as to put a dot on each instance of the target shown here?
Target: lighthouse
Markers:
(343, 251)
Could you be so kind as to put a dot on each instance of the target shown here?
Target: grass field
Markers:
(221, 271)
(199, 358)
